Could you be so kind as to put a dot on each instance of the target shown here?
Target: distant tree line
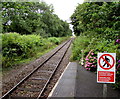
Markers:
(33, 18)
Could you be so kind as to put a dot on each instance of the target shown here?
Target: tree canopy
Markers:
(97, 18)
(33, 18)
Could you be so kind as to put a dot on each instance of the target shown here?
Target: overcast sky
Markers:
(64, 8)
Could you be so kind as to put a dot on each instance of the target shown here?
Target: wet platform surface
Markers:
(77, 82)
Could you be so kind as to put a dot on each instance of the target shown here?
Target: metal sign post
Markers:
(105, 90)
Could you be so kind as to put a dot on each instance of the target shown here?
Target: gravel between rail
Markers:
(58, 73)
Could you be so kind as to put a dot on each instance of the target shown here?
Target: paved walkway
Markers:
(76, 82)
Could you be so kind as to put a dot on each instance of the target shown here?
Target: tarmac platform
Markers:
(76, 82)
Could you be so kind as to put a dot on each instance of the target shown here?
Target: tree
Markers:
(30, 18)
(97, 19)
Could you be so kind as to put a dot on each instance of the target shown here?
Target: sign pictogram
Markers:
(106, 68)
(106, 61)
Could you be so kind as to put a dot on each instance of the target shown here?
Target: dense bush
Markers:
(16, 47)
(54, 40)
(20, 45)
(79, 44)
(96, 45)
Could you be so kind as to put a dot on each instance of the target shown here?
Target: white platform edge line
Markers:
(58, 81)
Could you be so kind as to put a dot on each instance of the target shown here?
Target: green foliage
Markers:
(96, 44)
(102, 19)
(18, 47)
(54, 40)
(32, 18)
(79, 44)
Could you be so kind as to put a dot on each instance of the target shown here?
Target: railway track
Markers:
(35, 83)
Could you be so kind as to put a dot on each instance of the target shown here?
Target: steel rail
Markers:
(53, 72)
(6, 95)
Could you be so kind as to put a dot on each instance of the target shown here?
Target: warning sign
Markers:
(106, 61)
(106, 68)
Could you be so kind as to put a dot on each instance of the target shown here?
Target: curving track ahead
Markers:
(35, 83)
